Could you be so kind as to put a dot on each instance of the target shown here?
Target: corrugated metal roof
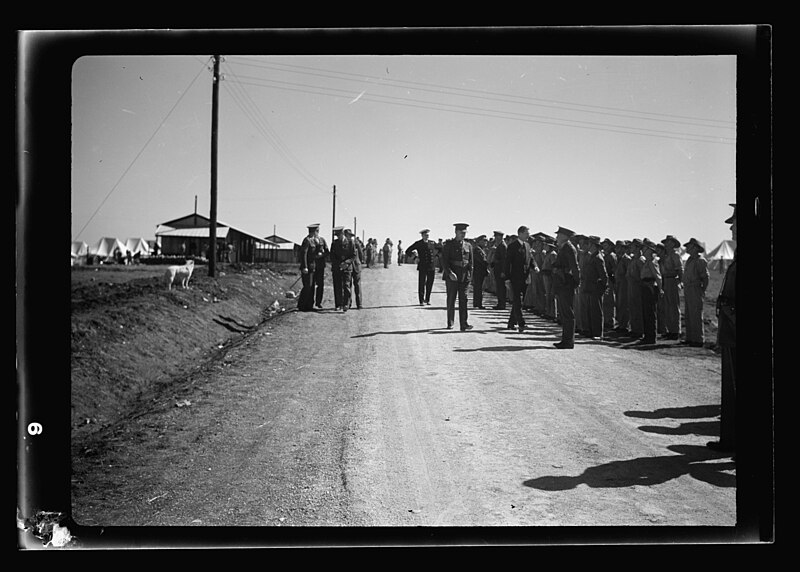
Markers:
(201, 232)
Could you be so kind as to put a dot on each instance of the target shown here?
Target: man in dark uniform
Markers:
(594, 280)
(566, 276)
(344, 251)
(498, 266)
(320, 255)
(457, 264)
(726, 340)
(305, 302)
(336, 272)
(426, 265)
(672, 274)
(518, 265)
(650, 285)
(622, 310)
(356, 274)
(609, 296)
(481, 271)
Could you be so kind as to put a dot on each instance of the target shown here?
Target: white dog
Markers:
(181, 274)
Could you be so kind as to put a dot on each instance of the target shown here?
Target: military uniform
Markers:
(650, 286)
(581, 317)
(336, 272)
(480, 272)
(566, 276)
(457, 266)
(518, 266)
(623, 311)
(498, 265)
(426, 266)
(635, 290)
(320, 255)
(356, 274)
(610, 294)
(550, 311)
(344, 250)
(594, 280)
(695, 282)
(308, 249)
(672, 274)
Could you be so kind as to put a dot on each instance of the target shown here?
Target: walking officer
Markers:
(426, 265)
(308, 248)
(518, 266)
(566, 276)
(498, 266)
(457, 265)
(672, 274)
(695, 282)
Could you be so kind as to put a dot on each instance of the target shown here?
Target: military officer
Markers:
(650, 286)
(547, 277)
(661, 316)
(579, 240)
(457, 266)
(320, 254)
(622, 310)
(498, 266)
(518, 266)
(609, 296)
(344, 251)
(481, 271)
(566, 276)
(356, 274)
(672, 274)
(695, 282)
(594, 280)
(537, 278)
(336, 272)
(726, 340)
(308, 248)
(426, 265)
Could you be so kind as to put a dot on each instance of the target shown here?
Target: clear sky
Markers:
(619, 147)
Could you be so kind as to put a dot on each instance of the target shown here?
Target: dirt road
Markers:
(382, 417)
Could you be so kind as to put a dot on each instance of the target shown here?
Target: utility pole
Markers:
(355, 232)
(212, 260)
(333, 222)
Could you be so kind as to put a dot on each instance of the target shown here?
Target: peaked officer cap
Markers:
(481, 237)
(499, 233)
(461, 225)
(733, 216)
(338, 229)
(696, 243)
(569, 233)
(424, 230)
(594, 240)
(315, 225)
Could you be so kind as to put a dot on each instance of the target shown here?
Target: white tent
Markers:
(79, 248)
(105, 247)
(137, 245)
(721, 254)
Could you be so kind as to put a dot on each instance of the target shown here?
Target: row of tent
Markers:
(106, 246)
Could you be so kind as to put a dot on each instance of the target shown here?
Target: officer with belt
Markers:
(673, 280)
(426, 265)
(650, 285)
(457, 265)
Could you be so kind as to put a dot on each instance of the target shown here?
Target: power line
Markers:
(409, 102)
(480, 94)
(125, 172)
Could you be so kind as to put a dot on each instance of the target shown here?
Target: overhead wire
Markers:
(130, 166)
(481, 94)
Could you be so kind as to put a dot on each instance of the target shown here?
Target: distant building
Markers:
(285, 250)
(191, 236)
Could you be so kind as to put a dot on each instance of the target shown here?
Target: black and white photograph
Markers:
(391, 286)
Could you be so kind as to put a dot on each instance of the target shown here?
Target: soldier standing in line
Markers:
(695, 282)
(540, 295)
(594, 280)
(336, 271)
(581, 317)
(661, 316)
(481, 271)
(726, 340)
(623, 310)
(457, 265)
(518, 268)
(344, 251)
(498, 266)
(356, 274)
(305, 302)
(566, 277)
(650, 284)
(426, 265)
(609, 296)
(635, 289)
(672, 274)
(320, 254)
(550, 312)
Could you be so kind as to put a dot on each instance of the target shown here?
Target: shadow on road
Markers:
(692, 412)
(708, 428)
(646, 471)
(504, 349)
(397, 333)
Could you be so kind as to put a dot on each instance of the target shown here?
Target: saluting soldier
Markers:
(695, 282)
(672, 274)
(498, 265)
(594, 280)
(726, 340)
(610, 294)
(457, 266)
(650, 285)
(518, 267)
(336, 272)
(426, 265)
(635, 288)
(344, 251)
(308, 248)
(566, 277)
(480, 271)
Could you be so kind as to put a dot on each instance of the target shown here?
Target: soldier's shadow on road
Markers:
(707, 428)
(695, 461)
(395, 333)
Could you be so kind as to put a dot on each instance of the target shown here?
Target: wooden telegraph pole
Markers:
(212, 260)
(333, 222)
